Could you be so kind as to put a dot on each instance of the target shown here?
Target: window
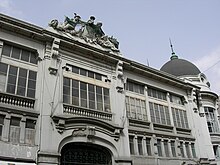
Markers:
(180, 118)
(159, 114)
(19, 81)
(19, 53)
(156, 94)
(14, 133)
(30, 131)
(211, 119)
(3, 76)
(84, 72)
(173, 148)
(131, 144)
(176, 99)
(187, 150)
(86, 95)
(166, 148)
(1, 125)
(182, 150)
(148, 146)
(136, 108)
(159, 149)
(216, 152)
(135, 87)
(140, 148)
(193, 150)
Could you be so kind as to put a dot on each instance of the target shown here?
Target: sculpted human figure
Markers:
(70, 24)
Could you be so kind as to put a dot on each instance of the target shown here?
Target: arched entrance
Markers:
(85, 154)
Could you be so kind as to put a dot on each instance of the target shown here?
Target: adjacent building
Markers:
(68, 96)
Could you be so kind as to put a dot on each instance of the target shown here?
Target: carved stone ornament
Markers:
(90, 31)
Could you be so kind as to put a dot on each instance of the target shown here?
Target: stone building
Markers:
(68, 96)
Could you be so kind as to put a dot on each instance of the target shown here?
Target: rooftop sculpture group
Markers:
(88, 30)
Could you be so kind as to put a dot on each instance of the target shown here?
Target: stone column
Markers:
(135, 145)
(6, 127)
(144, 146)
(169, 148)
(162, 147)
(22, 131)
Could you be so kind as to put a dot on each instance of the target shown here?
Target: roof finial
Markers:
(174, 56)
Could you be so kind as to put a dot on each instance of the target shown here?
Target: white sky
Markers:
(142, 27)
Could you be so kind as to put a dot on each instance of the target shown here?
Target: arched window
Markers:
(85, 154)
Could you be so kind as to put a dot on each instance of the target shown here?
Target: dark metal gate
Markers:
(85, 154)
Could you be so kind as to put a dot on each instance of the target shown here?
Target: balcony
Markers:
(8, 100)
(84, 112)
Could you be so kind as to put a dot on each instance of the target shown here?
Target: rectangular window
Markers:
(12, 79)
(1, 125)
(136, 108)
(140, 148)
(176, 99)
(148, 146)
(159, 114)
(159, 149)
(66, 90)
(156, 94)
(211, 119)
(166, 148)
(14, 133)
(3, 76)
(30, 132)
(182, 150)
(75, 92)
(193, 150)
(19, 81)
(173, 148)
(85, 95)
(19, 53)
(91, 89)
(131, 144)
(99, 98)
(135, 87)
(179, 118)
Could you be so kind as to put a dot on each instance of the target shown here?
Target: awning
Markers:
(14, 163)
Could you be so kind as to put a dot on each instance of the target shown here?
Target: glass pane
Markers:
(16, 53)
(25, 55)
(22, 72)
(15, 121)
(31, 84)
(91, 74)
(33, 58)
(98, 76)
(11, 88)
(30, 124)
(83, 72)
(6, 50)
(12, 79)
(22, 82)
(66, 81)
(31, 93)
(13, 70)
(32, 75)
(3, 68)
(20, 91)
(75, 69)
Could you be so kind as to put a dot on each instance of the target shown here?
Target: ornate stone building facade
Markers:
(68, 96)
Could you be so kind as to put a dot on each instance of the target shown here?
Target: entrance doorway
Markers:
(85, 154)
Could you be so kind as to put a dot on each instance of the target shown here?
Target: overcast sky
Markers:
(142, 27)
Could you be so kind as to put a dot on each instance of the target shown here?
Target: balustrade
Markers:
(14, 100)
(78, 111)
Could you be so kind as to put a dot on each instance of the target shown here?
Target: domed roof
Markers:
(180, 67)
